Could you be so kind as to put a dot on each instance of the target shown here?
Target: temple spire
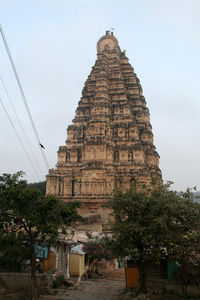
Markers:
(110, 141)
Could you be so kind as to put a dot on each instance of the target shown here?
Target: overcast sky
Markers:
(53, 43)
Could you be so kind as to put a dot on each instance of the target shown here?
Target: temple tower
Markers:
(110, 142)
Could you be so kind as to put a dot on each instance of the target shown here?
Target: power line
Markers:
(27, 155)
(21, 126)
(23, 97)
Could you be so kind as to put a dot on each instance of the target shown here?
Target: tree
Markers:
(187, 253)
(98, 249)
(150, 223)
(13, 253)
(41, 185)
(27, 216)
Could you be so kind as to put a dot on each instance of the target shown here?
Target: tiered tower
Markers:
(110, 142)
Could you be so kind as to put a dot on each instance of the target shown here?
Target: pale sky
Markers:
(53, 44)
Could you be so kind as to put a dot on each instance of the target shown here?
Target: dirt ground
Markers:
(93, 289)
(98, 289)
(105, 289)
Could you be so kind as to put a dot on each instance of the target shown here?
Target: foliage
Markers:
(39, 185)
(151, 223)
(98, 249)
(58, 281)
(27, 216)
(188, 256)
(136, 290)
(13, 253)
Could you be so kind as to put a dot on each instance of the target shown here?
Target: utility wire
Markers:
(23, 97)
(27, 155)
(21, 126)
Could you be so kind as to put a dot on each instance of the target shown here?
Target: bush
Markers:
(98, 249)
(58, 281)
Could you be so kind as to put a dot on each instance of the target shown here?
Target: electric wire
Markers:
(27, 155)
(21, 126)
(23, 97)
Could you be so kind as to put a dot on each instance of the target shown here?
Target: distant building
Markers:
(110, 142)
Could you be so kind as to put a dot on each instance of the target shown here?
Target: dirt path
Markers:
(98, 289)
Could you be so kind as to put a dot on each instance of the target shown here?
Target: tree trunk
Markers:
(142, 277)
(33, 274)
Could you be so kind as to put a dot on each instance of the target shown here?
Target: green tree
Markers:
(27, 216)
(150, 223)
(13, 253)
(41, 185)
(187, 253)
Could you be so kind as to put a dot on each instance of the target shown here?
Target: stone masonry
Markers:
(110, 142)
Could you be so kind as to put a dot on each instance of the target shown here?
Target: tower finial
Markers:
(111, 30)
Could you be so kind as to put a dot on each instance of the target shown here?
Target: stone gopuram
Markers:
(110, 142)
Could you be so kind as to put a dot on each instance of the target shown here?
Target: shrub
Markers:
(58, 281)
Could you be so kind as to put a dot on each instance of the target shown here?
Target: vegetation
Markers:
(58, 281)
(197, 197)
(27, 217)
(98, 249)
(187, 252)
(13, 253)
(152, 223)
(39, 185)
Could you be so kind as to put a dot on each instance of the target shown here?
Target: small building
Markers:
(57, 259)
(77, 261)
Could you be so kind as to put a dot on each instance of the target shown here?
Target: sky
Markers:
(53, 44)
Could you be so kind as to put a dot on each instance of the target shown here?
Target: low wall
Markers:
(170, 285)
(105, 266)
(18, 281)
